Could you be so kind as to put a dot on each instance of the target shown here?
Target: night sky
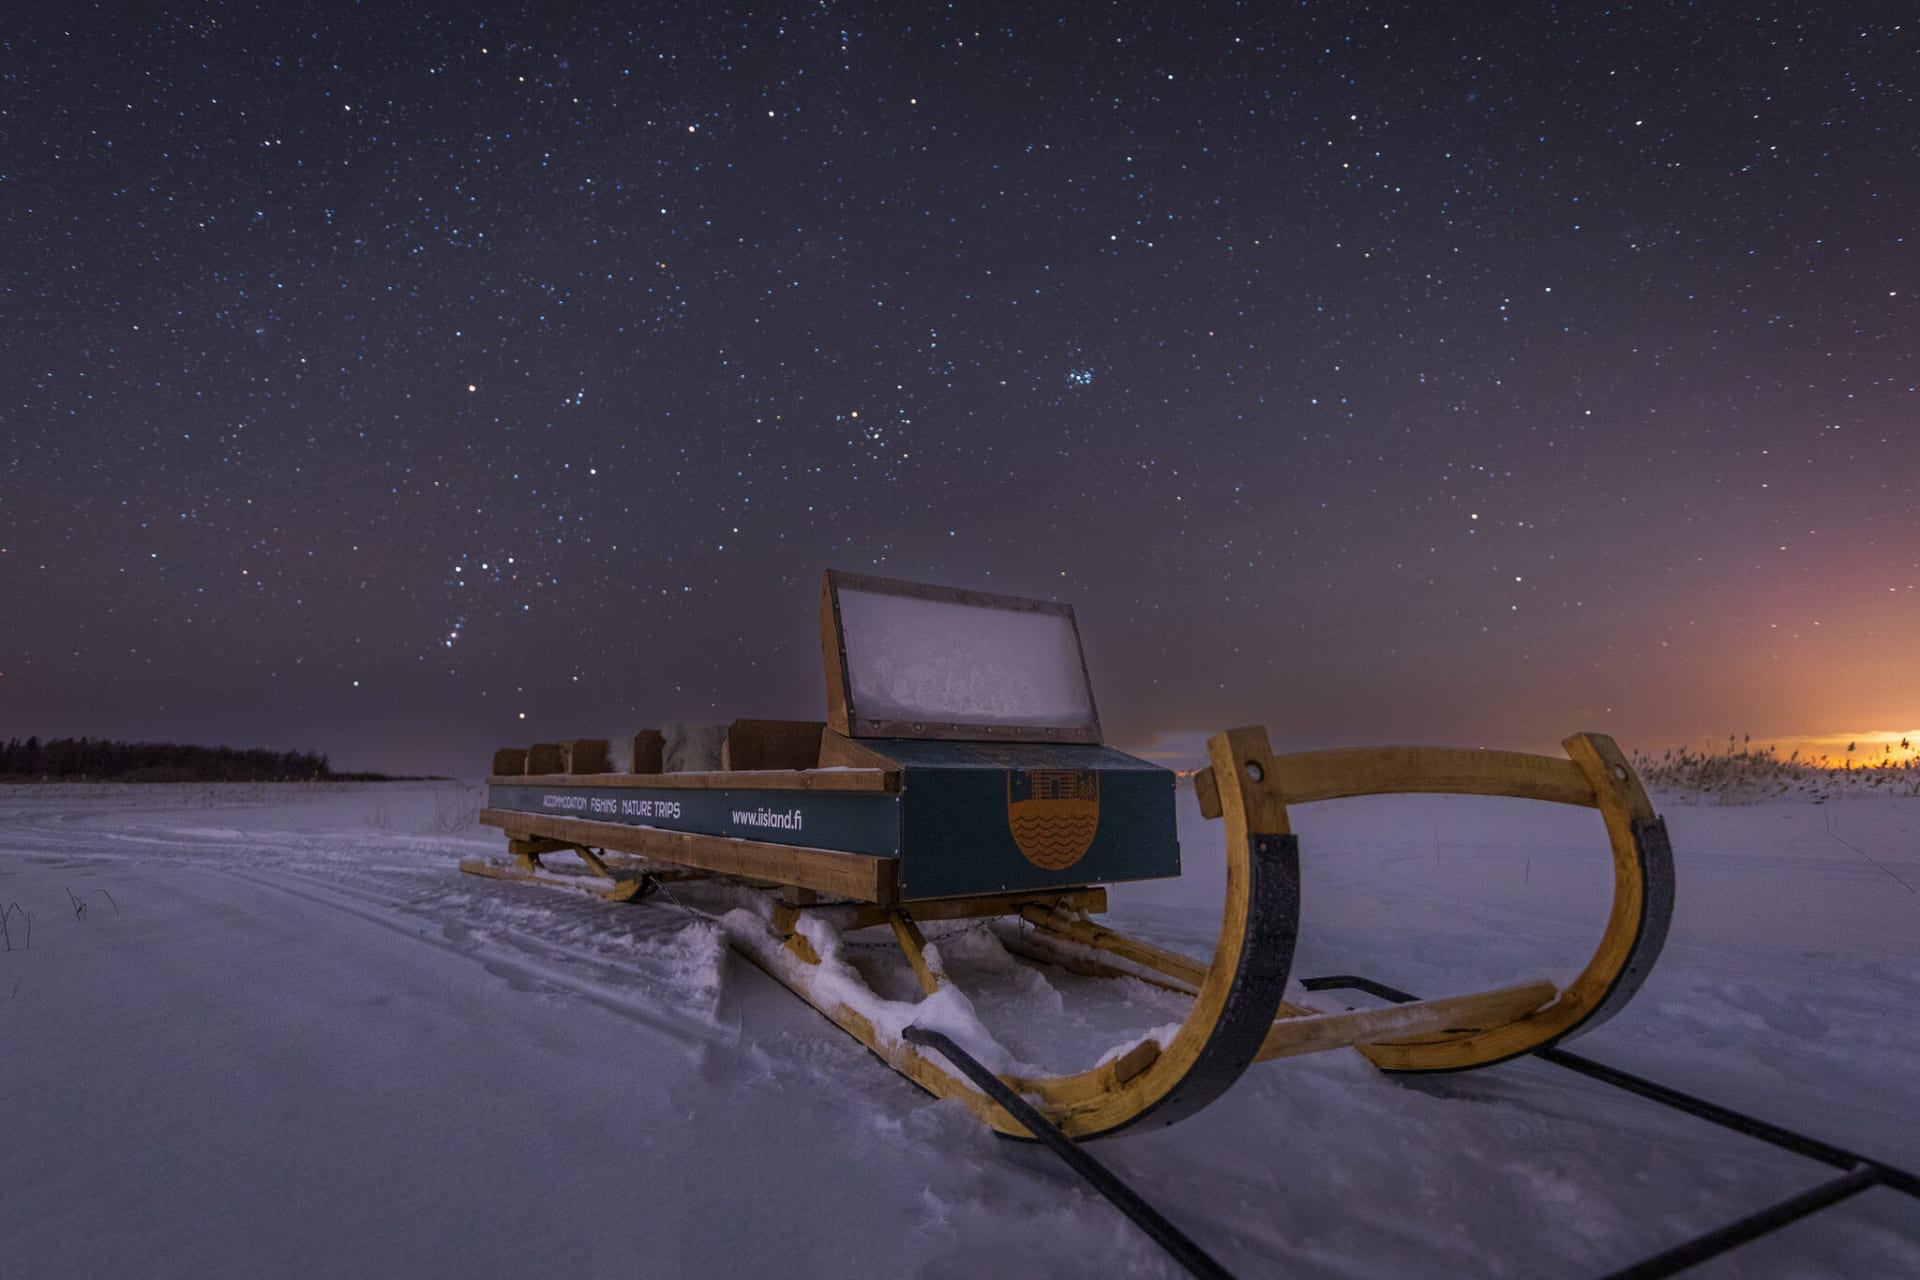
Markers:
(378, 375)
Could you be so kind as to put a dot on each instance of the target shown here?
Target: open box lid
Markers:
(908, 660)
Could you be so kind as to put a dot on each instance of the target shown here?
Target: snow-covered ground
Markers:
(271, 1030)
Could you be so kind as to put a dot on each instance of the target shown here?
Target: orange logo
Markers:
(1053, 814)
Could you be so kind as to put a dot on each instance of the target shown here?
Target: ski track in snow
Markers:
(285, 1036)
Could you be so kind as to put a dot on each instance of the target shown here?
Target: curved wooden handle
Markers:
(1241, 992)
(1596, 775)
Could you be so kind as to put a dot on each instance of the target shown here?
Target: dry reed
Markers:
(1745, 774)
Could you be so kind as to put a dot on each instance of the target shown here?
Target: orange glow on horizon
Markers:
(1864, 749)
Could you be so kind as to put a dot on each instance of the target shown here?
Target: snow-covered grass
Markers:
(285, 1036)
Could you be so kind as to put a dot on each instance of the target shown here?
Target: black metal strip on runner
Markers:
(1654, 852)
(1893, 1177)
(1254, 995)
(1862, 1172)
(1354, 982)
(1102, 1179)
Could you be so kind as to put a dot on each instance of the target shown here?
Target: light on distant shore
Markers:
(1832, 750)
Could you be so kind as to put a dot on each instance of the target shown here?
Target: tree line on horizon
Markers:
(102, 760)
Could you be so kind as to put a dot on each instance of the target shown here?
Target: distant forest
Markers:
(98, 760)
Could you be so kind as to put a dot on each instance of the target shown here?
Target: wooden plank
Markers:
(834, 654)
(494, 871)
(766, 780)
(1186, 973)
(649, 749)
(524, 846)
(839, 751)
(848, 916)
(584, 755)
(911, 941)
(612, 890)
(1110, 1077)
(771, 744)
(1046, 948)
(1135, 1060)
(1446, 1018)
(846, 875)
(1368, 771)
(1207, 791)
(902, 1057)
(1301, 1030)
(1088, 934)
(978, 907)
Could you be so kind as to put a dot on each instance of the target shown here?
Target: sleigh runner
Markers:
(961, 774)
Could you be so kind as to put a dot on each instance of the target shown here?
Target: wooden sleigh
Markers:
(961, 774)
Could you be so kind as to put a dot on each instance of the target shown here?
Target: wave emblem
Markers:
(1053, 814)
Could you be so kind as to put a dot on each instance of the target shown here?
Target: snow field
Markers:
(285, 1036)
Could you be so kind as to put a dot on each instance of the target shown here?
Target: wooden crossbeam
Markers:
(1300, 1029)
(981, 906)
(1186, 973)
(1446, 1018)
(771, 744)
(614, 890)
(1311, 776)
(908, 935)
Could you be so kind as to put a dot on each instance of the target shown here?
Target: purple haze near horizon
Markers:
(378, 376)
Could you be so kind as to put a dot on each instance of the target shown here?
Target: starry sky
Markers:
(403, 380)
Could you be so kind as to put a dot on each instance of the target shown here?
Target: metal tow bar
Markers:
(1861, 1173)
(1102, 1179)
